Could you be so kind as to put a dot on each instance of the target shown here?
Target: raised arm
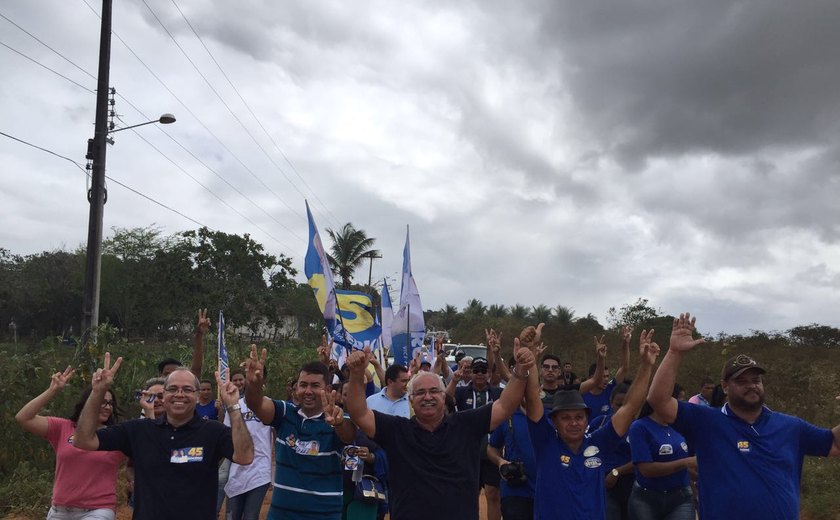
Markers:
(662, 387)
(534, 407)
(514, 391)
(600, 363)
(441, 366)
(377, 367)
(28, 417)
(262, 407)
(648, 352)
(624, 359)
(494, 346)
(356, 403)
(334, 416)
(243, 445)
(85, 436)
(201, 329)
(453, 383)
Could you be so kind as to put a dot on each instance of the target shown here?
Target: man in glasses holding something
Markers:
(749, 458)
(176, 456)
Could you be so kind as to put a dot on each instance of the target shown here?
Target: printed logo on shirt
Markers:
(70, 439)
(605, 408)
(184, 455)
(684, 446)
(307, 447)
(565, 460)
(592, 462)
(469, 402)
(666, 449)
(744, 446)
(250, 416)
(591, 451)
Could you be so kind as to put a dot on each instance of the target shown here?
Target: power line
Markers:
(79, 166)
(33, 60)
(254, 115)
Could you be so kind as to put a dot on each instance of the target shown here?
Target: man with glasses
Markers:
(550, 377)
(176, 456)
(433, 457)
(749, 458)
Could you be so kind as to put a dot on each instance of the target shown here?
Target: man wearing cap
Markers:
(392, 399)
(570, 463)
(749, 458)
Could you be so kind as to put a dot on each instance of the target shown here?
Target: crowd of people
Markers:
(540, 442)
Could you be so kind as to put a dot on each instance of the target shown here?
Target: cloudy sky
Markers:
(570, 153)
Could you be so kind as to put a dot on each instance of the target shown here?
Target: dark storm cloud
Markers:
(659, 78)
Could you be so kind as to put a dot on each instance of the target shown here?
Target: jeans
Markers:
(246, 506)
(650, 504)
(78, 513)
(517, 508)
(618, 497)
(224, 473)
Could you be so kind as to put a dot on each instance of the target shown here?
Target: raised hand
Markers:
(254, 367)
(648, 349)
(439, 344)
(59, 380)
(324, 350)
(333, 414)
(600, 347)
(539, 350)
(357, 361)
(626, 333)
(525, 359)
(203, 324)
(682, 334)
(103, 377)
(228, 391)
(530, 336)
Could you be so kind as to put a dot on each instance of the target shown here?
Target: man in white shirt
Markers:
(392, 399)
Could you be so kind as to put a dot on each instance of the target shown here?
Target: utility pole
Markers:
(370, 271)
(96, 194)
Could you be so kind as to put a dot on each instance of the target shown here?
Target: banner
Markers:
(408, 329)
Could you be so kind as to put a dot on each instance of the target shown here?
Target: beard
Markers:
(746, 403)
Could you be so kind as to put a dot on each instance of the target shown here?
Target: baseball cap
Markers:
(478, 362)
(739, 364)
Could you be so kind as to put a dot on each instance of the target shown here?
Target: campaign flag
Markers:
(358, 319)
(387, 312)
(316, 267)
(408, 329)
(222, 350)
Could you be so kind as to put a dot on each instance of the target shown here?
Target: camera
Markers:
(513, 473)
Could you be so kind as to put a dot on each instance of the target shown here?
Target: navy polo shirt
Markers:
(517, 448)
(570, 485)
(652, 442)
(433, 475)
(749, 470)
(175, 468)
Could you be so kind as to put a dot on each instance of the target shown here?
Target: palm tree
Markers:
(540, 313)
(564, 315)
(519, 312)
(475, 308)
(449, 316)
(349, 249)
(497, 311)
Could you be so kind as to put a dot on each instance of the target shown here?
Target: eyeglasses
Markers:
(107, 402)
(479, 370)
(551, 367)
(187, 390)
(433, 392)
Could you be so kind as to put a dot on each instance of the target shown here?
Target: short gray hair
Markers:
(154, 381)
(418, 375)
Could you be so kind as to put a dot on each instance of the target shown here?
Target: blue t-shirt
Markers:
(600, 403)
(207, 411)
(307, 479)
(652, 442)
(749, 471)
(517, 448)
(570, 485)
(621, 454)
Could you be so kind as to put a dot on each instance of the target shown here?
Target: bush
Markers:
(27, 491)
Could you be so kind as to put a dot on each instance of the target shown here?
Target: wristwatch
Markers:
(614, 472)
(234, 407)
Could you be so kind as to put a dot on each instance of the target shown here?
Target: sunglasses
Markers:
(551, 367)
(479, 370)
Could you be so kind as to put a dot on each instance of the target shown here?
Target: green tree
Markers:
(564, 316)
(635, 314)
(350, 246)
(540, 314)
(475, 309)
(518, 312)
(497, 311)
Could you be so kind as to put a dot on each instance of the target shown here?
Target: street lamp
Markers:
(96, 197)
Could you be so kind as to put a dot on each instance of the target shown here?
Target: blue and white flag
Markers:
(222, 355)
(358, 318)
(408, 329)
(316, 267)
(387, 312)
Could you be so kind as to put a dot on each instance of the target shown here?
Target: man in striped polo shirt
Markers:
(310, 438)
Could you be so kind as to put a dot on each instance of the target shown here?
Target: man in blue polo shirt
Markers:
(571, 467)
(392, 399)
(310, 437)
(749, 458)
(598, 398)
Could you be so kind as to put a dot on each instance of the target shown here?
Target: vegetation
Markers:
(350, 246)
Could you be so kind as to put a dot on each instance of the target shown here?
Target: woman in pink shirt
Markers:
(85, 481)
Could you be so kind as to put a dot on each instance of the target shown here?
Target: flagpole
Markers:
(407, 352)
